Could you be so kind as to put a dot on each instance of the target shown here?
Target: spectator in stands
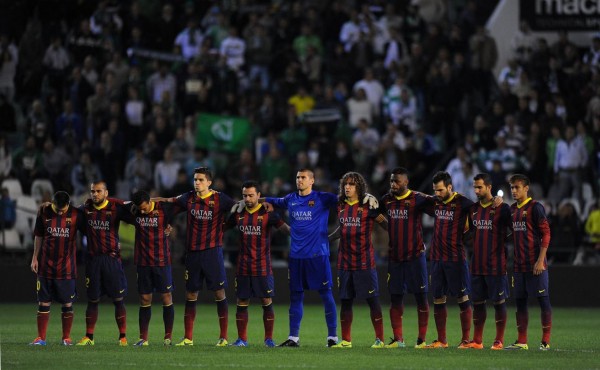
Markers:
(305, 41)
(8, 210)
(200, 158)
(373, 89)
(69, 127)
(365, 142)
(569, 164)
(273, 166)
(6, 158)
(119, 69)
(190, 39)
(592, 228)
(510, 73)
(232, 51)
(359, 107)
(27, 163)
(392, 146)
(56, 163)
(513, 134)
(161, 84)
(350, 31)
(294, 137)
(301, 101)
(9, 59)
(56, 61)
(166, 29)
(592, 56)
(84, 173)
(105, 19)
(522, 43)
(259, 53)
(165, 173)
(97, 108)
(83, 43)
(507, 156)
(566, 235)
(138, 171)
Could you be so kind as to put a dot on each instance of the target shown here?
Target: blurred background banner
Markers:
(553, 15)
(215, 132)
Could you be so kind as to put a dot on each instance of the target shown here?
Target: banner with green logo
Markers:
(222, 133)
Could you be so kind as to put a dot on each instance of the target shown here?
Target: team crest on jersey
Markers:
(68, 220)
(155, 213)
(108, 213)
(259, 218)
(211, 203)
(452, 205)
(492, 213)
(524, 213)
(407, 203)
(311, 203)
(360, 209)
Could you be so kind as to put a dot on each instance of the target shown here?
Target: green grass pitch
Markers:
(574, 335)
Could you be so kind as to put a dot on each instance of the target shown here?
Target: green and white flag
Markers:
(222, 133)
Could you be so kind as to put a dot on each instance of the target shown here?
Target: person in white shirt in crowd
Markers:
(160, 82)
(373, 89)
(359, 107)
(232, 50)
(189, 40)
(350, 32)
(570, 161)
(165, 172)
(365, 141)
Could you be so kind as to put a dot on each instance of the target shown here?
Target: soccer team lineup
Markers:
(440, 274)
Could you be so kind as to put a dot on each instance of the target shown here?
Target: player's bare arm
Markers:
(382, 221)
(161, 199)
(37, 245)
(285, 228)
(335, 235)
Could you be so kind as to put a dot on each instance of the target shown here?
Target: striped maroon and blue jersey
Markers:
(254, 257)
(529, 226)
(489, 226)
(450, 222)
(151, 243)
(405, 230)
(57, 258)
(355, 251)
(205, 218)
(102, 226)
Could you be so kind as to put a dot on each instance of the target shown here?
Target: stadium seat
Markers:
(536, 191)
(548, 206)
(26, 212)
(574, 203)
(587, 208)
(10, 240)
(39, 187)
(587, 193)
(14, 187)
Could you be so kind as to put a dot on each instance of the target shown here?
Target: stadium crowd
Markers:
(113, 90)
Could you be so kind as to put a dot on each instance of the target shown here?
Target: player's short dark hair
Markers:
(519, 177)
(205, 171)
(442, 176)
(140, 197)
(100, 182)
(251, 184)
(487, 179)
(400, 171)
(61, 199)
(306, 169)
